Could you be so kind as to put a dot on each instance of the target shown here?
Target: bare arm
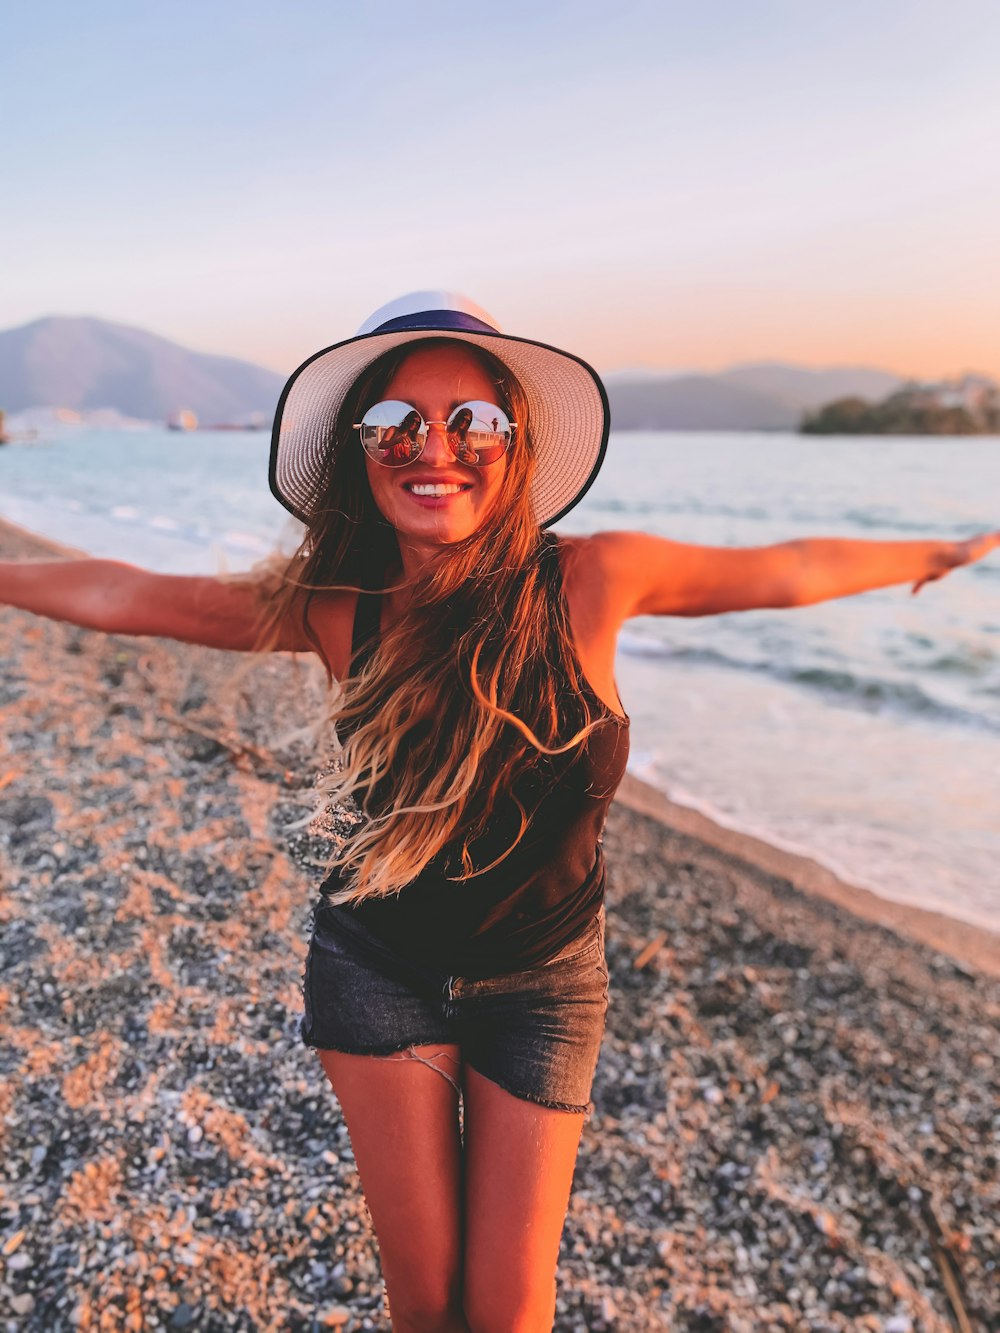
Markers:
(646, 575)
(118, 598)
(839, 566)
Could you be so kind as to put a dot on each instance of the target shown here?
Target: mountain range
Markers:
(769, 395)
(85, 364)
(89, 364)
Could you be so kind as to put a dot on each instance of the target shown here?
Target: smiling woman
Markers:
(458, 947)
(437, 492)
(457, 951)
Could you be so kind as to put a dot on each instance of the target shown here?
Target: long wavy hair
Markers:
(467, 689)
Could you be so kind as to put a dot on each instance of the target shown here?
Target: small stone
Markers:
(334, 1316)
(22, 1304)
(899, 1323)
(183, 1316)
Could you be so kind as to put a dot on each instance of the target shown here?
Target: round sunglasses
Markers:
(394, 433)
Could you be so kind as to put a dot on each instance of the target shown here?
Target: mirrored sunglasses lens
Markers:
(393, 433)
(479, 432)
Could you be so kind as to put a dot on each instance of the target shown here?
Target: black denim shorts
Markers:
(536, 1033)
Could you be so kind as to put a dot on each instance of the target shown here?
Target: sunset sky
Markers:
(663, 185)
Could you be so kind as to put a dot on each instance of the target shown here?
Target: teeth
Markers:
(439, 489)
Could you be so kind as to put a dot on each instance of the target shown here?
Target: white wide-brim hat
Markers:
(567, 405)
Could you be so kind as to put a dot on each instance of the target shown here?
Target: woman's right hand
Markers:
(118, 598)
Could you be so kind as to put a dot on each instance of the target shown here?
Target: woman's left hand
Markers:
(955, 554)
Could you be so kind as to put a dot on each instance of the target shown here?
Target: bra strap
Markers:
(553, 569)
(365, 637)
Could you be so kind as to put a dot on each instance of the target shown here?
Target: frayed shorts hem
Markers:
(381, 1052)
(533, 1097)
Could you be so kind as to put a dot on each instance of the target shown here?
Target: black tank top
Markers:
(551, 886)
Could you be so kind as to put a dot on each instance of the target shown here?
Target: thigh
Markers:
(519, 1160)
(402, 1115)
(531, 1042)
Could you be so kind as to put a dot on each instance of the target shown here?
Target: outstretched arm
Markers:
(836, 567)
(646, 575)
(118, 598)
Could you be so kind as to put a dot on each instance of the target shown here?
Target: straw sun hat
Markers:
(567, 405)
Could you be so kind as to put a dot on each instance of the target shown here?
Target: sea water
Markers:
(864, 731)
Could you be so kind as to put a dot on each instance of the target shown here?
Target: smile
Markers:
(441, 488)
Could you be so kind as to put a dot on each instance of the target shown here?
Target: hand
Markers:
(954, 554)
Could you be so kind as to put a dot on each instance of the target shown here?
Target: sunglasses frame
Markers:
(359, 426)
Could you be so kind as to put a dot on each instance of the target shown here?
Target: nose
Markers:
(437, 449)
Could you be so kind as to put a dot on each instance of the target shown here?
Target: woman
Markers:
(458, 949)
(458, 435)
(399, 442)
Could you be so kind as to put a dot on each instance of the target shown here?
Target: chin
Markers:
(444, 533)
(443, 528)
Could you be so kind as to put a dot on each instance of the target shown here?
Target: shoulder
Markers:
(598, 551)
(586, 557)
(602, 569)
(592, 567)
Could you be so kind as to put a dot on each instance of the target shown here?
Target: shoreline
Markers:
(975, 946)
(972, 945)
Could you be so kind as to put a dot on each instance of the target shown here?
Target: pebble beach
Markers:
(796, 1107)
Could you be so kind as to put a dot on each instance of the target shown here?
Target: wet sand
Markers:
(794, 1106)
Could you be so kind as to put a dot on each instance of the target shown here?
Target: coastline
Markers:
(975, 946)
(792, 1121)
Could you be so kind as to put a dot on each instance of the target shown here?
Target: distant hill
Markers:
(768, 396)
(85, 363)
(804, 389)
(694, 402)
(969, 405)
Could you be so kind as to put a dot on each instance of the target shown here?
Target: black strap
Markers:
(553, 569)
(364, 640)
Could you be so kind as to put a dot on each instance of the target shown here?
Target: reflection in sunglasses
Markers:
(394, 432)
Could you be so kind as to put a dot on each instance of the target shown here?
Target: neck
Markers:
(414, 555)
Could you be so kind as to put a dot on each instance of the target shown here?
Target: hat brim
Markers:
(567, 408)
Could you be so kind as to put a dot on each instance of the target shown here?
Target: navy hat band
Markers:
(455, 320)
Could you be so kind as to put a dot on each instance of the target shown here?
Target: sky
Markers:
(676, 186)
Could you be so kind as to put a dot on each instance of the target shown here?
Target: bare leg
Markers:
(402, 1116)
(519, 1165)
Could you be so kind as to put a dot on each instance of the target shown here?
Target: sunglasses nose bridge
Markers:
(436, 442)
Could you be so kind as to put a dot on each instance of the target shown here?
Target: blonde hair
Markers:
(466, 690)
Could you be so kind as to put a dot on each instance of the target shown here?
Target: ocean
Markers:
(864, 732)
